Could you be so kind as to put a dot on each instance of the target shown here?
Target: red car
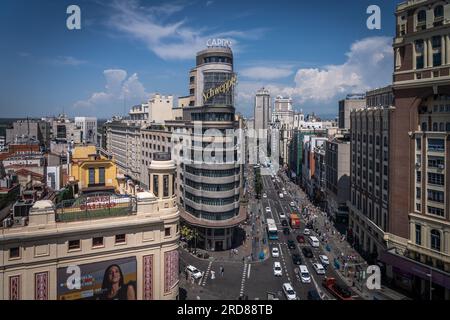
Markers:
(300, 239)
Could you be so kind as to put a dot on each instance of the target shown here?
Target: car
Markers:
(296, 259)
(285, 192)
(282, 215)
(281, 195)
(291, 244)
(307, 252)
(306, 232)
(284, 223)
(289, 291)
(264, 195)
(324, 260)
(277, 271)
(286, 231)
(268, 209)
(304, 274)
(314, 242)
(292, 204)
(313, 295)
(195, 273)
(319, 268)
(275, 252)
(300, 239)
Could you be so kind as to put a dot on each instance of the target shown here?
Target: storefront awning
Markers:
(412, 267)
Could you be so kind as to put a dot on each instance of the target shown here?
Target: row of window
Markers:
(212, 187)
(209, 116)
(212, 173)
(438, 127)
(212, 201)
(154, 138)
(215, 216)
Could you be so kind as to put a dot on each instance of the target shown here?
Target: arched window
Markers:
(435, 240)
(421, 16)
(438, 11)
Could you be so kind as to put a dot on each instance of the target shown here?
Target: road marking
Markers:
(248, 273)
(243, 279)
(205, 276)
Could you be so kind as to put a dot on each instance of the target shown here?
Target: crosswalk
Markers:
(244, 276)
(205, 276)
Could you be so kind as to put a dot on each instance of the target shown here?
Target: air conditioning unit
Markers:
(441, 167)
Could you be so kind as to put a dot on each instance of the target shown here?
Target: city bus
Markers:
(272, 230)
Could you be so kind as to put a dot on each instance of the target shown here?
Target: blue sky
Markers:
(314, 51)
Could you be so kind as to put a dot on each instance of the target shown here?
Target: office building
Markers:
(351, 102)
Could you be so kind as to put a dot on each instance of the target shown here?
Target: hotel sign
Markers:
(223, 88)
(223, 43)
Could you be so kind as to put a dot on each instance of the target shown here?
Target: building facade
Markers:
(137, 236)
(419, 218)
(351, 102)
(88, 127)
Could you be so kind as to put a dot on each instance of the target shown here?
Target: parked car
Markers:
(289, 291)
(264, 195)
(284, 223)
(286, 231)
(275, 252)
(306, 232)
(195, 273)
(307, 252)
(319, 268)
(292, 204)
(291, 244)
(300, 239)
(281, 195)
(296, 259)
(277, 271)
(268, 209)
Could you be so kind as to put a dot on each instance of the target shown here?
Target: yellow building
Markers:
(92, 171)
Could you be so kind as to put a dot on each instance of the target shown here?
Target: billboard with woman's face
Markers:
(106, 280)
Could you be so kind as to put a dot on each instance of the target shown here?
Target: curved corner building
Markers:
(211, 192)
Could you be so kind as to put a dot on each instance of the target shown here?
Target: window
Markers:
(424, 126)
(437, 59)
(418, 144)
(441, 126)
(436, 162)
(435, 126)
(418, 207)
(434, 195)
(120, 238)
(438, 12)
(436, 42)
(97, 242)
(167, 232)
(14, 253)
(421, 16)
(436, 211)
(156, 185)
(91, 176)
(417, 193)
(418, 234)
(418, 176)
(165, 186)
(101, 175)
(74, 244)
(436, 144)
(435, 178)
(435, 240)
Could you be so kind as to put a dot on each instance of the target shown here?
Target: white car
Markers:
(268, 209)
(304, 274)
(289, 291)
(292, 204)
(264, 195)
(281, 195)
(285, 192)
(195, 273)
(277, 271)
(282, 215)
(324, 260)
(275, 252)
(306, 232)
(319, 268)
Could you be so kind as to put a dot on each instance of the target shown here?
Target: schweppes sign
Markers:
(223, 88)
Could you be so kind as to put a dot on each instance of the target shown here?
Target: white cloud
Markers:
(266, 73)
(117, 87)
(168, 40)
(369, 65)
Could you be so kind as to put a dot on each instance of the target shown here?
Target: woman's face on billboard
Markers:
(114, 274)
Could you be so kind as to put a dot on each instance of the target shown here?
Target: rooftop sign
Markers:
(222, 43)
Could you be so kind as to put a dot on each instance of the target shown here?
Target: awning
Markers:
(408, 266)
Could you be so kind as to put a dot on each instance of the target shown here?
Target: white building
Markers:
(88, 127)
